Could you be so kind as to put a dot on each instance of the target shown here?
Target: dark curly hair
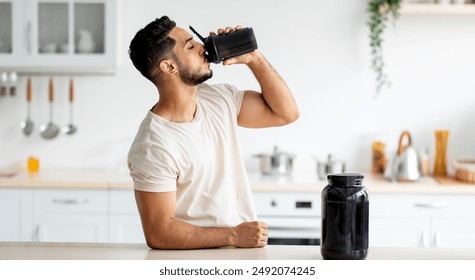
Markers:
(150, 45)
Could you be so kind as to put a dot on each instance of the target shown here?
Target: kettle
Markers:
(405, 165)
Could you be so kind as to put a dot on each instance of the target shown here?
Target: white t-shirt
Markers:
(201, 160)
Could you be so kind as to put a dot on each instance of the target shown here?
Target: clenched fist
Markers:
(250, 235)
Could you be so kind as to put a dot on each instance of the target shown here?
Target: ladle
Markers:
(27, 125)
(70, 128)
(49, 130)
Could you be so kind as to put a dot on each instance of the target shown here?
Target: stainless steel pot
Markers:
(329, 166)
(278, 163)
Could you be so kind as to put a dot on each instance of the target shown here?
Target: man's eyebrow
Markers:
(187, 40)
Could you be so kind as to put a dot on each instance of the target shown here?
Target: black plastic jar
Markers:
(345, 215)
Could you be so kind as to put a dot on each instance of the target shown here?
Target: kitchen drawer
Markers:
(454, 232)
(399, 232)
(287, 204)
(123, 201)
(69, 227)
(422, 205)
(70, 201)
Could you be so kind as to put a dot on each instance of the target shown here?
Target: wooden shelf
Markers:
(438, 9)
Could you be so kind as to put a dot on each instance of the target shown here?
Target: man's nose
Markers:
(203, 50)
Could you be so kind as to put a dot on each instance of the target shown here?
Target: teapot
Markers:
(405, 165)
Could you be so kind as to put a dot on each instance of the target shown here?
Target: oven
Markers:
(294, 218)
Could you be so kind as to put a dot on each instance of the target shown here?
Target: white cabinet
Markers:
(399, 232)
(454, 232)
(71, 216)
(16, 215)
(65, 215)
(11, 27)
(442, 221)
(396, 220)
(58, 35)
(71, 228)
(110, 215)
(124, 222)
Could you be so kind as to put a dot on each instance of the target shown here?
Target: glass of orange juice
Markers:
(33, 164)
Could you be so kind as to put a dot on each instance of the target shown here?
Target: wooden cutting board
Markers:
(449, 180)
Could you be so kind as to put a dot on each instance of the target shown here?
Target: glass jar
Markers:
(441, 142)
(345, 217)
(378, 157)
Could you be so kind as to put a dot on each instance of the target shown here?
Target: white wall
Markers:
(322, 51)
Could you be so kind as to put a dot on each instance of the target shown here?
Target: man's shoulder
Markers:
(205, 88)
(151, 134)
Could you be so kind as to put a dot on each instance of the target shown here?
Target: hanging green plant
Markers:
(379, 11)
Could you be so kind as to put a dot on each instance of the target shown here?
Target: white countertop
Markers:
(299, 182)
(307, 181)
(99, 251)
(68, 178)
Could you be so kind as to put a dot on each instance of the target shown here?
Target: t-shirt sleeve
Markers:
(152, 170)
(233, 94)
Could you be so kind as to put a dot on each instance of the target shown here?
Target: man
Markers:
(190, 181)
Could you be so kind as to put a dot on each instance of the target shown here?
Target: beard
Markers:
(192, 77)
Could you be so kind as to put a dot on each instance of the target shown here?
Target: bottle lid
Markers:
(345, 179)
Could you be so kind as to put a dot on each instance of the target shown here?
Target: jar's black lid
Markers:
(345, 176)
(345, 179)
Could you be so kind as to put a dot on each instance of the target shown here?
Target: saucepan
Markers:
(329, 166)
(277, 163)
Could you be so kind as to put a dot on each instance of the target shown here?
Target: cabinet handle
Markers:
(436, 239)
(71, 201)
(431, 205)
(41, 233)
(36, 234)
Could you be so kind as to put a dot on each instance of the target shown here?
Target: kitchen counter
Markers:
(98, 251)
(68, 178)
(299, 182)
(309, 182)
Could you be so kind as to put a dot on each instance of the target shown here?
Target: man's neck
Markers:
(177, 104)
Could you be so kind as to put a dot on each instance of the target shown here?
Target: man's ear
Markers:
(168, 66)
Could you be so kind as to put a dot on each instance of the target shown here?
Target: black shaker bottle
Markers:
(221, 47)
(345, 217)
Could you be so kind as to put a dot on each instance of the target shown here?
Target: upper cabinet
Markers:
(70, 36)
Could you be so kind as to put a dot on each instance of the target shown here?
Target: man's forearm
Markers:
(175, 234)
(274, 90)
